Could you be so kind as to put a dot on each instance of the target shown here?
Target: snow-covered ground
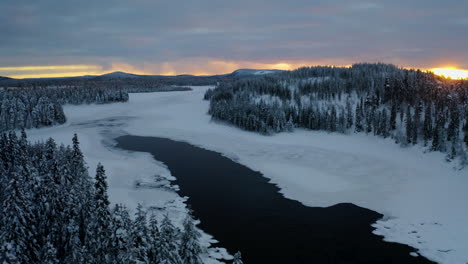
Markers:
(423, 198)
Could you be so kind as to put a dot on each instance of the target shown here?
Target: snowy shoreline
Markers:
(422, 197)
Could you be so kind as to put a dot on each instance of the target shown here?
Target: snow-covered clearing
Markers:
(423, 198)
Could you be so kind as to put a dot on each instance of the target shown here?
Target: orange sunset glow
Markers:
(201, 67)
(452, 73)
(210, 67)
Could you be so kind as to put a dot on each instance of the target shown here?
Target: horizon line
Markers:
(440, 71)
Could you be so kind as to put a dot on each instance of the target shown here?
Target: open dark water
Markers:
(241, 209)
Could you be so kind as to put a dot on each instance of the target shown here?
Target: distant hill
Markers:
(185, 75)
(241, 73)
(250, 73)
(119, 75)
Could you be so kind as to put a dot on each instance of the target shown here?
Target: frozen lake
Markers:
(241, 209)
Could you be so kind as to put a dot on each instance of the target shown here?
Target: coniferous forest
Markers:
(54, 212)
(410, 106)
(40, 106)
(35, 107)
(35, 103)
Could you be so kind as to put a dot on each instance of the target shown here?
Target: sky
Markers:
(43, 38)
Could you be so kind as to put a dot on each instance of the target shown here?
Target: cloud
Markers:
(51, 67)
(165, 35)
(50, 71)
(364, 6)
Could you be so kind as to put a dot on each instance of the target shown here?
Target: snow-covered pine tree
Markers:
(168, 251)
(16, 237)
(121, 238)
(454, 125)
(416, 123)
(190, 248)
(73, 248)
(438, 139)
(49, 254)
(82, 189)
(140, 235)
(465, 131)
(153, 240)
(289, 125)
(349, 115)
(384, 124)
(51, 218)
(9, 253)
(408, 125)
(358, 118)
(101, 220)
(427, 125)
(393, 115)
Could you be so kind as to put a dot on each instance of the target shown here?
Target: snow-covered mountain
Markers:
(250, 72)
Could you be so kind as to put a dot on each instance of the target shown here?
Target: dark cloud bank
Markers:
(150, 33)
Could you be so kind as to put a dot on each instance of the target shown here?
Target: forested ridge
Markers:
(53, 212)
(136, 82)
(410, 106)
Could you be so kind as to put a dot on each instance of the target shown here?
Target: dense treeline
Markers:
(34, 103)
(38, 107)
(53, 212)
(147, 83)
(410, 106)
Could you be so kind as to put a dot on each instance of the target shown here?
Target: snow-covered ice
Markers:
(423, 198)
